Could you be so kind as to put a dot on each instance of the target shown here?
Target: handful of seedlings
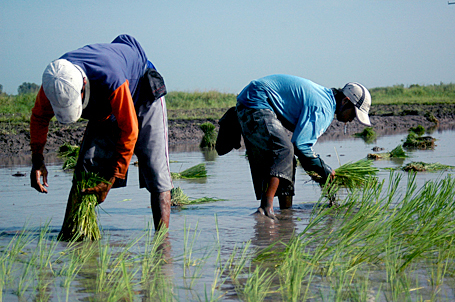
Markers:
(210, 135)
(70, 154)
(198, 171)
(179, 198)
(354, 174)
(81, 222)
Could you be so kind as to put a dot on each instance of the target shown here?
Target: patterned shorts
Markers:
(269, 149)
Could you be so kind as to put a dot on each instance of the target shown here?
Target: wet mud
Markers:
(386, 120)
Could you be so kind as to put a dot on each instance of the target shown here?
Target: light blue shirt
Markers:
(308, 108)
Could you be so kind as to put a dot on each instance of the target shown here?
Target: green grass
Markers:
(414, 94)
(213, 104)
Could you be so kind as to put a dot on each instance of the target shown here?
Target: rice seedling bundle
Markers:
(419, 130)
(354, 174)
(398, 152)
(368, 134)
(414, 141)
(426, 167)
(198, 171)
(179, 198)
(70, 154)
(210, 135)
(82, 221)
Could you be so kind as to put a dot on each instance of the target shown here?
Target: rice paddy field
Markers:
(390, 240)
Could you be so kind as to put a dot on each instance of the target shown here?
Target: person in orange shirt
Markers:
(119, 91)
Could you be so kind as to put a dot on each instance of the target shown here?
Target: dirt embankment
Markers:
(386, 120)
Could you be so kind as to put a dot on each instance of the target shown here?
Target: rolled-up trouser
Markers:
(269, 149)
(97, 153)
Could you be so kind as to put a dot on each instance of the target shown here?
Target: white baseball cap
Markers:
(62, 83)
(361, 98)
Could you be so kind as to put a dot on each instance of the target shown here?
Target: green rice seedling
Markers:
(258, 284)
(197, 171)
(415, 141)
(419, 130)
(10, 256)
(153, 281)
(75, 257)
(397, 152)
(26, 277)
(236, 265)
(70, 154)
(209, 138)
(178, 197)
(368, 134)
(426, 167)
(354, 174)
(45, 250)
(82, 223)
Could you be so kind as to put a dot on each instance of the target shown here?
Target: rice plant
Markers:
(197, 171)
(82, 222)
(354, 174)
(70, 154)
(209, 138)
(426, 167)
(397, 152)
(368, 134)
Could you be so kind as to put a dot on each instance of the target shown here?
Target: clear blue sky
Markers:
(203, 45)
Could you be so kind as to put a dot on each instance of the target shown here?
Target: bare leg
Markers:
(161, 208)
(285, 202)
(268, 196)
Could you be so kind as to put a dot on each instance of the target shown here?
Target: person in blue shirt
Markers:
(269, 107)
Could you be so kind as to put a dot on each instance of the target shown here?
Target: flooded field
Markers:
(203, 238)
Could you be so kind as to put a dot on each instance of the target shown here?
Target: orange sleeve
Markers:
(42, 113)
(123, 109)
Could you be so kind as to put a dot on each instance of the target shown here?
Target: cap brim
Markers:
(69, 114)
(363, 118)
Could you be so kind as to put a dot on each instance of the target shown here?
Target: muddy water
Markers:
(126, 211)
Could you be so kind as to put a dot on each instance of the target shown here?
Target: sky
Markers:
(222, 45)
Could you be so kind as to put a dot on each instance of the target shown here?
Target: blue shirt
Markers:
(306, 107)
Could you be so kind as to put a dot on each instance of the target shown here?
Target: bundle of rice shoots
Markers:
(419, 130)
(368, 134)
(354, 174)
(178, 197)
(81, 222)
(70, 154)
(198, 171)
(426, 167)
(398, 152)
(210, 135)
(414, 141)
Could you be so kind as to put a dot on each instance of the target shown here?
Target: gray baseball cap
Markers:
(62, 83)
(361, 98)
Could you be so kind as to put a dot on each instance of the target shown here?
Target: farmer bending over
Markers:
(268, 106)
(119, 91)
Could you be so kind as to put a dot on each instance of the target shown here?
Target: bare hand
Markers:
(101, 190)
(39, 171)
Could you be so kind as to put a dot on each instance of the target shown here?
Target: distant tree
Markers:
(1, 88)
(25, 88)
